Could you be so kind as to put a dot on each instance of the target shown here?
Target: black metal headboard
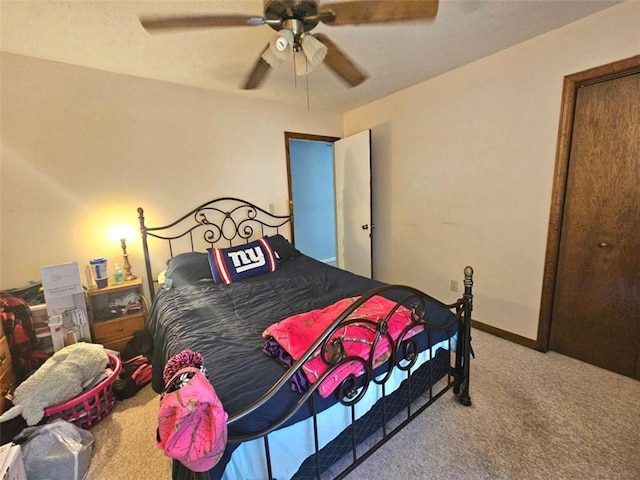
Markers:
(225, 221)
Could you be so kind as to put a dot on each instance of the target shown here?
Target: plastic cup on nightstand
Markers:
(99, 269)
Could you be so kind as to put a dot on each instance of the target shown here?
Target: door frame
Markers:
(299, 136)
(572, 83)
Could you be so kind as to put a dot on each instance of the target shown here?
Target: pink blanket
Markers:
(297, 333)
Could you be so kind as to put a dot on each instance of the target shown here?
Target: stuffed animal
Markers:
(59, 379)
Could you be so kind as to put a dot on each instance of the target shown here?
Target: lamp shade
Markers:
(314, 50)
(120, 231)
(271, 58)
(281, 42)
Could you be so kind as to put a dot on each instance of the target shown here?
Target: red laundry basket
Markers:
(92, 406)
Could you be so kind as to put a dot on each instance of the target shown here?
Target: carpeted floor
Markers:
(534, 416)
(124, 442)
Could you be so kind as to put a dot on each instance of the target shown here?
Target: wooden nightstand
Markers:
(112, 327)
(7, 378)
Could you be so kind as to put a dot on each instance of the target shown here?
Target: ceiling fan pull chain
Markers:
(308, 107)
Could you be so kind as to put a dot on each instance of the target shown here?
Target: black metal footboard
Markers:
(381, 400)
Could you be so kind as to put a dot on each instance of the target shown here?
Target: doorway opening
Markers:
(312, 195)
(330, 198)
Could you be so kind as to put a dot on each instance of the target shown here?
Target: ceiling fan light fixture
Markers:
(314, 50)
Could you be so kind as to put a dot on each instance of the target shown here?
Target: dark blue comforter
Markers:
(225, 323)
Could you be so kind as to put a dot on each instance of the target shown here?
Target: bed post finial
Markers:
(468, 287)
(468, 276)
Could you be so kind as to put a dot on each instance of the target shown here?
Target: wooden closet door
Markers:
(596, 307)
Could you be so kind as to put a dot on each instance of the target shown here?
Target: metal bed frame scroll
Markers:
(231, 221)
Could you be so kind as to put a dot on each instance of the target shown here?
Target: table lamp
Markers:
(122, 233)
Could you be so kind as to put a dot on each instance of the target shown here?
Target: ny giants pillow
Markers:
(231, 264)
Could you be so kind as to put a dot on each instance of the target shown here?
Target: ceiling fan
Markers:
(293, 20)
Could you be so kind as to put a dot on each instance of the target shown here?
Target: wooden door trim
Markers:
(298, 136)
(571, 84)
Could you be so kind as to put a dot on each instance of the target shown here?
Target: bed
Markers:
(375, 356)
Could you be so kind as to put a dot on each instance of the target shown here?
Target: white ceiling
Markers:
(107, 35)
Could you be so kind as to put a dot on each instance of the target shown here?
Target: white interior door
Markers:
(352, 170)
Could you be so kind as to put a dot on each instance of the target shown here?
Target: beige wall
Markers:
(82, 149)
(464, 164)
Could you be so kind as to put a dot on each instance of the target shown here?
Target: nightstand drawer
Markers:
(119, 328)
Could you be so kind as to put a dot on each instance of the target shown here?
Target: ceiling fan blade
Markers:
(342, 65)
(364, 11)
(172, 23)
(258, 73)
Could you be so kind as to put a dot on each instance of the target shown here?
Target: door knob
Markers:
(365, 227)
(604, 245)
